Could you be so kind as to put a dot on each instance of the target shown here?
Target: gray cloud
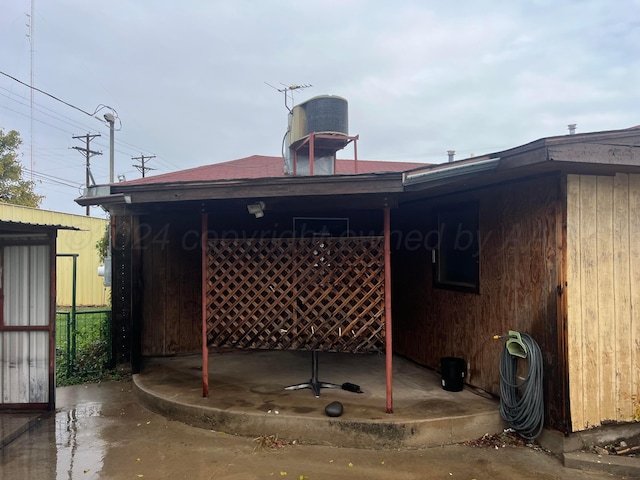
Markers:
(188, 79)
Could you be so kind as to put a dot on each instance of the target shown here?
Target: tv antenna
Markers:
(288, 91)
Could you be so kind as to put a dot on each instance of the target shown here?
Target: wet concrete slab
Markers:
(247, 396)
(14, 424)
(100, 431)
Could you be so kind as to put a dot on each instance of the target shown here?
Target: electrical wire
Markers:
(522, 404)
(98, 108)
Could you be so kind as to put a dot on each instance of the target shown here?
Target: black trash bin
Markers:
(453, 371)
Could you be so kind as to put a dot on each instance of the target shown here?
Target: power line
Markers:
(51, 179)
(88, 154)
(98, 108)
(141, 168)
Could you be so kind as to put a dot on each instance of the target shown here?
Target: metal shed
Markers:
(27, 315)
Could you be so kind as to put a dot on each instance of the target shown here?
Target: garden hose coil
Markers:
(522, 403)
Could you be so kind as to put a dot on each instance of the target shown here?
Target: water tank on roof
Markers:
(327, 113)
(321, 114)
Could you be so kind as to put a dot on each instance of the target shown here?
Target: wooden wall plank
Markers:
(589, 286)
(149, 326)
(560, 251)
(168, 241)
(606, 313)
(634, 273)
(573, 292)
(622, 297)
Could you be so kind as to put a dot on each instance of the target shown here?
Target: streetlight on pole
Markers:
(111, 121)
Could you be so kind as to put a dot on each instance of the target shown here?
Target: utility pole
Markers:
(88, 153)
(141, 168)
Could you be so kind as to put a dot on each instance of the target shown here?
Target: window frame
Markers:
(449, 257)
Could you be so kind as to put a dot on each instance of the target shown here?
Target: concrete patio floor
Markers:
(247, 397)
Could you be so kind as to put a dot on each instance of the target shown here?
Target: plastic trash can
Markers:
(453, 372)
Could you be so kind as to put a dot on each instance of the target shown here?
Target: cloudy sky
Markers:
(188, 80)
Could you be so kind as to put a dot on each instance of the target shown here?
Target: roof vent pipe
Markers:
(572, 128)
(451, 154)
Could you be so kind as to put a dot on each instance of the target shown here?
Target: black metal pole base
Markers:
(314, 384)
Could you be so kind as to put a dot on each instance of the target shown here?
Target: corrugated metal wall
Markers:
(603, 298)
(24, 357)
(90, 287)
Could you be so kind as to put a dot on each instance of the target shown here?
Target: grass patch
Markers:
(83, 346)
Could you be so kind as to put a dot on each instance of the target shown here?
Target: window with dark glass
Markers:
(457, 257)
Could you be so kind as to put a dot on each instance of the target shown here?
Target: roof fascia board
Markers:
(614, 155)
(301, 187)
(452, 171)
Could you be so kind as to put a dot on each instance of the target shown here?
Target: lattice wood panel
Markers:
(296, 294)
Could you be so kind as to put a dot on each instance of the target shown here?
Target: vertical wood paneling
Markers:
(634, 274)
(573, 292)
(603, 228)
(171, 289)
(173, 318)
(560, 253)
(622, 298)
(589, 287)
(148, 324)
(606, 314)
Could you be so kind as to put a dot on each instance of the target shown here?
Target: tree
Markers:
(13, 188)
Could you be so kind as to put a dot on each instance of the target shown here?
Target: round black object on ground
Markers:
(334, 409)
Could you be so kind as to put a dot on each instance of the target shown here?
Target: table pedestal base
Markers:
(314, 384)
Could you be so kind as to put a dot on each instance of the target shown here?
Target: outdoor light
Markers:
(122, 178)
(256, 209)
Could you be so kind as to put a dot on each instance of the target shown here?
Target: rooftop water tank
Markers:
(327, 113)
(321, 114)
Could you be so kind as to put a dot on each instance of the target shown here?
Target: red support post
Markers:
(355, 153)
(295, 162)
(387, 308)
(204, 268)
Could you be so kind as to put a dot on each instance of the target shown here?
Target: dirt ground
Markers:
(100, 431)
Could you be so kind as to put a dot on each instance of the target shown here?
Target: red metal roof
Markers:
(259, 166)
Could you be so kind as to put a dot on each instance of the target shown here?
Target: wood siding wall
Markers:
(171, 272)
(603, 298)
(520, 253)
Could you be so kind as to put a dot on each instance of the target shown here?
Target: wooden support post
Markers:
(204, 268)
(387, 308)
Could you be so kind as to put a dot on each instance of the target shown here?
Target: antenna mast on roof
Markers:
(288, 91)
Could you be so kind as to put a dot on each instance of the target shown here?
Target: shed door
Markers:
(25, 327)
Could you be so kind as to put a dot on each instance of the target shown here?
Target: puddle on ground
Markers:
(73, 457)
(63, 445)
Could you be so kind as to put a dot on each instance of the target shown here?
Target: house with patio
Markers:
(309, 252)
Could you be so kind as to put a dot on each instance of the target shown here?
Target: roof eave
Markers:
(251, 188)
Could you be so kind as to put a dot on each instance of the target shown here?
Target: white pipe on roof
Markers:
(451, 171)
